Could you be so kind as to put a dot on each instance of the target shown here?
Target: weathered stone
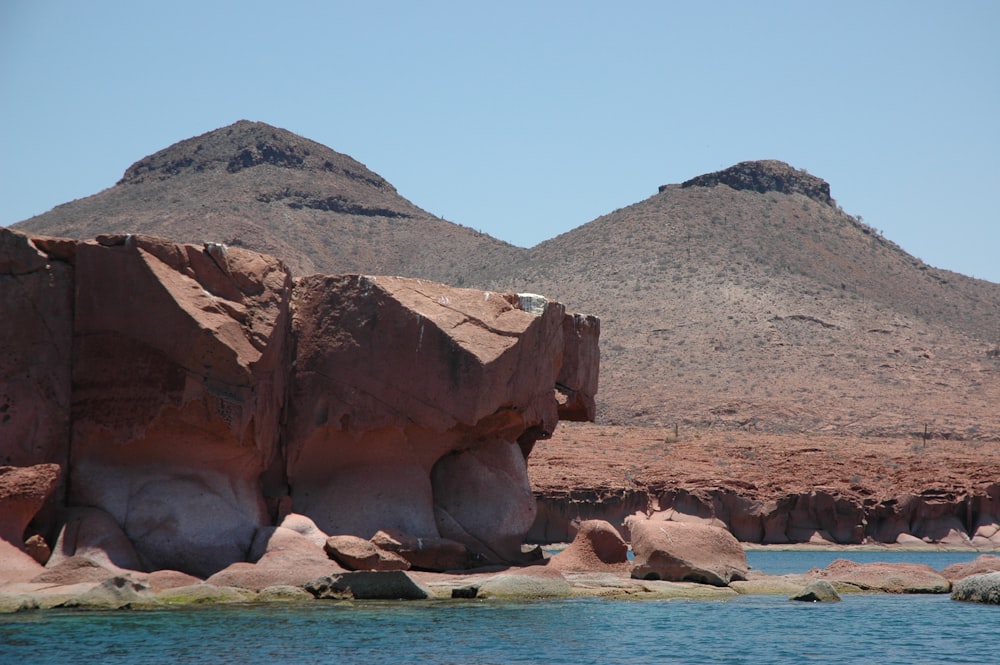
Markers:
(368, 585)
(114, 593)
(597, 547)
(204, 593)
(37, 293)
(286, 558)
(978, 589)
(982, 564)
(682, 552)
(482, 498)
(413, 405)
(74, 570)
(175, 422)
(356, 553)
(438, 554)
(93, 534)
(531, 582)
(23, 491)
(37, 549)
(819, 591)
(884, 577)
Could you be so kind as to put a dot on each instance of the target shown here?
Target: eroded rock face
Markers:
(178, 382)
(36, 292)
(413, 405)
(202, 412)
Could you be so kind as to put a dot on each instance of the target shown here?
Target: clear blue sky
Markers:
(528, 119)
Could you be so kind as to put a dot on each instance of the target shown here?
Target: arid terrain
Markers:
(754, 336)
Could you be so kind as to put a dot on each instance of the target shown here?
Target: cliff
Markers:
(190, 398)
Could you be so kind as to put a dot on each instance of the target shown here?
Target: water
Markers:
(778, 562)
(748, 629)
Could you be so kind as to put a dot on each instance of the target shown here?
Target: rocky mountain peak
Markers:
(244, 145)
(768, 175)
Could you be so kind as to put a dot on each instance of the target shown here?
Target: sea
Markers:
(885, 629)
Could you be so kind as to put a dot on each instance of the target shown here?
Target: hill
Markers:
(264, 188)
(747, 299)
(739, 300)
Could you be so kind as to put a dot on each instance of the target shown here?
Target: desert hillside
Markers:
(739, 300)
(264, 188)
(727, 307)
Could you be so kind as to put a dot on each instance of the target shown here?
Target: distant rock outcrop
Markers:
(766, 176)
(207, 397)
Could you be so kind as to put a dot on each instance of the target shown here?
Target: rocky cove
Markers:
(188, 423)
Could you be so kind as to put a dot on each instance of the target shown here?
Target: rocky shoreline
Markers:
(595, 564)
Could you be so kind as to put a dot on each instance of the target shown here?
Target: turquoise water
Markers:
(749, 629)
(776, 562)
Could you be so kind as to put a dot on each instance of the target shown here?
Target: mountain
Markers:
(267, 189)
(747, 299)
(739, 300)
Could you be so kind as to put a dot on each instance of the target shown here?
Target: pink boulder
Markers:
(355, 553)
(597, 547)
(437, 554)
(884, 577)
(685, 552)
(982, 564)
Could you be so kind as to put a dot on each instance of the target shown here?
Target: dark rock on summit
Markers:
(766, 176)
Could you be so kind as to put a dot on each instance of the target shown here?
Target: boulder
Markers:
(306, 527)
(598, 547)
(684, 552)
(884, 577)
(356, 553)
(37, 548)
(819, 591)
(368, 585)
(286, 558)
(984, 563)
(175, 422)
(23, 491)
(437, 554)
(978, 589)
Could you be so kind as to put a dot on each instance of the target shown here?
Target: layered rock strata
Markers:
(819, 516)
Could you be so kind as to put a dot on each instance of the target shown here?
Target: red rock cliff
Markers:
(190, 392)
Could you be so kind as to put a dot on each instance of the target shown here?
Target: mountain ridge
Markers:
(741, 299)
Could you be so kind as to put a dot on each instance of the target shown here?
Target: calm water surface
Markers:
(749, 629)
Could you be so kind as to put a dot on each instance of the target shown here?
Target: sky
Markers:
(525, 120)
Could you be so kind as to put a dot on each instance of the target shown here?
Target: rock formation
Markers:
(685, 552)
(766, 176)
(194, 396)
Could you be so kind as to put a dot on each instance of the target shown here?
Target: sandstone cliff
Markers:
(196, 395)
